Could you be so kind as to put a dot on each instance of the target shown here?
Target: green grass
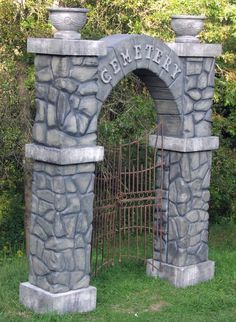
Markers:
(126, 294)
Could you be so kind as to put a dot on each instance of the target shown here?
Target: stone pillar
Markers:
(64, 149)
(182, 255)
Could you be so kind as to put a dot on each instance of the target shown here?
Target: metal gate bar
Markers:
(127, 204)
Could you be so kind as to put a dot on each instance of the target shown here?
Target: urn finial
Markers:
(68, 21)
(187, 27)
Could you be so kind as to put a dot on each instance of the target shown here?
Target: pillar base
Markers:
(40, 301)
(181, 276)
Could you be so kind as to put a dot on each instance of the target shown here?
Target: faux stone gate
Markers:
(127, 217)
(73, 79)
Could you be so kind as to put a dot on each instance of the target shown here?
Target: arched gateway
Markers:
(73, 79)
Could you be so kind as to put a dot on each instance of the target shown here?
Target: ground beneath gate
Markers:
(126, 294)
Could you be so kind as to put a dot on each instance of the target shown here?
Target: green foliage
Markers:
(223, 186)
(127, 105)
(126, 294)
(11, 220)
(126, 115)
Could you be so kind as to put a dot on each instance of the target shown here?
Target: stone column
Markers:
(182, 255)
(65, 153)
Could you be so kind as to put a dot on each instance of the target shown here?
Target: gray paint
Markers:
(73, 79)
(40, 301)
(181, 277)
(64, 156)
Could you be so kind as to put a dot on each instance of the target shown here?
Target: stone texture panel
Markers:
(184, 209)
(61, 226)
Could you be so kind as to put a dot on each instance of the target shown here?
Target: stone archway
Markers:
(73, 78)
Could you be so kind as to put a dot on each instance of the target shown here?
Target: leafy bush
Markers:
(29, 19)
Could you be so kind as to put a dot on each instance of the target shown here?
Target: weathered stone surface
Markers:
(74, 101)
(183, 193)
(83, 122)
(82, 223)
(83, 74)
(59, 228)
(80, 259)
(60, 202)
(79, 241)
(44, 75)
(77, 60)
(82, 181)
(88, 88)
(48, 229)
(192, 216)
(195, 94)
(58, 244)
(70, 185)
(193, 68)
(59, 184)
(42, 61)
(208, 93)
(67, 117)
(51, 115)
(182, 226)
(173, 232)
(69, 260)
(202, 80)
(198, 116)
(39, 132)
(39, 267)
(60, 66)
(53, 94)
(46, 195)
(59, 278)
(74, 204)
(39, 232)
(44, 207)
(203, 128)
(41, 108)
(70, 124)
(90, 61)
(88, 105)
(55, 261)
(82, 300)
(203, 105)
(63, 108)
(191, 82)
(83, 283)
(188, 105)
(70, 224)
(66, 84)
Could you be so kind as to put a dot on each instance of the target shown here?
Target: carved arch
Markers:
(157, 66)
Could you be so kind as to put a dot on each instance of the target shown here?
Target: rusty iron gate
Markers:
(127, 206)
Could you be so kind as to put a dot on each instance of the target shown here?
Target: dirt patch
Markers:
(155, 307)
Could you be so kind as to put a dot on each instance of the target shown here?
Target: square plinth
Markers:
(40, 301)
(181, 276)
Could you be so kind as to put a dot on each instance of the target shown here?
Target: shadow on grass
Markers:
(127, 294)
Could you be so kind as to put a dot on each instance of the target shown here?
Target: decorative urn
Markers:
(187, 27)
(68, 21)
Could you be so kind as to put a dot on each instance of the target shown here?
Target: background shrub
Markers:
(126, 105)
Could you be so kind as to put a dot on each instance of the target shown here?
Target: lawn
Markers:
(126, 294)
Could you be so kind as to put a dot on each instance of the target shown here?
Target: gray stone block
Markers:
(66, 47)
(182, 276)
(40, 301)
(185, 144)
(64, 156)
(196, 50)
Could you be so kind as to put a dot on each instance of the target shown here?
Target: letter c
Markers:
(105, 76)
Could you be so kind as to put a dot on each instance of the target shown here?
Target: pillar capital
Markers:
(64, 156)
(66, 47)
(196, 144)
